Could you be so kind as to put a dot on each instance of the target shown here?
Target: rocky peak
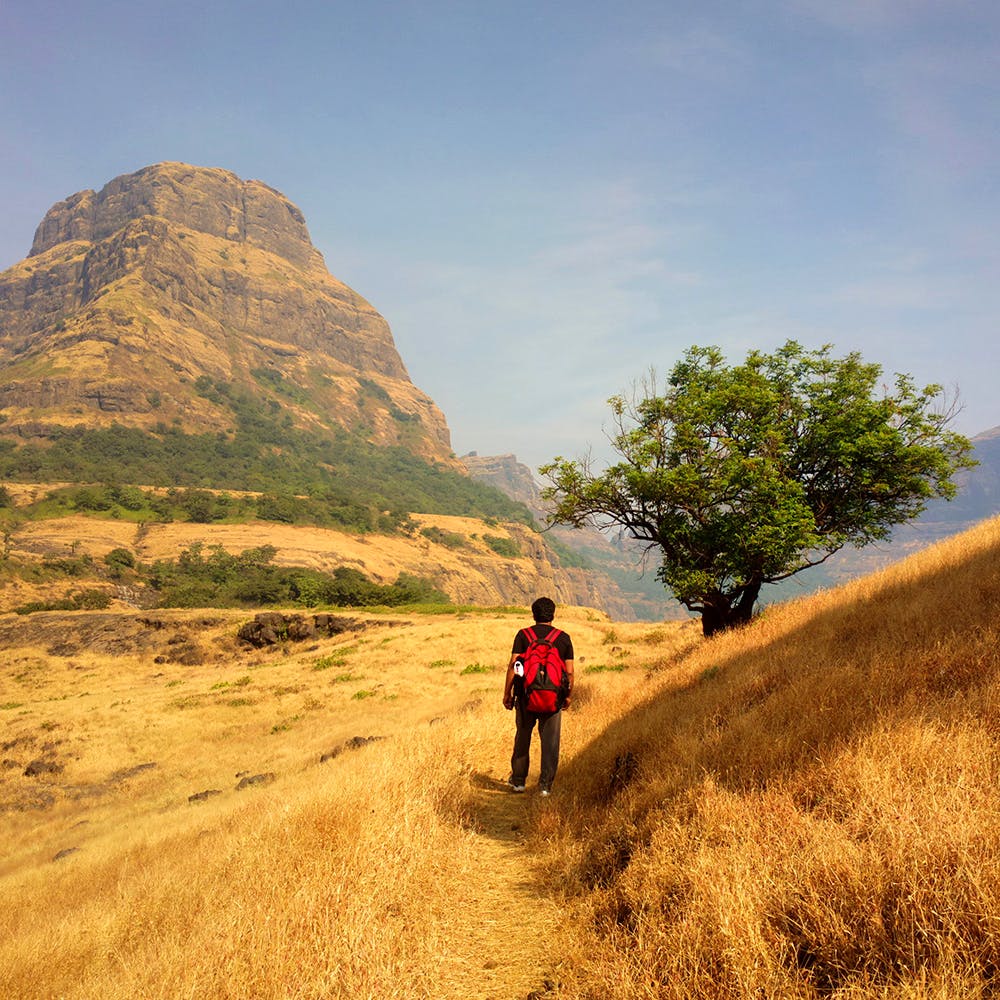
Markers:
(507, 474)
(206, 200)
(135, 294)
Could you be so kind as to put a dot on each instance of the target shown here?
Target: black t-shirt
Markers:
(564, 644)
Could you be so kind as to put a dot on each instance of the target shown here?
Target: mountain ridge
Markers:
(177, 328)
(978, 499)
(173, 273)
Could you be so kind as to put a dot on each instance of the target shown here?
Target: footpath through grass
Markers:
(401, 867)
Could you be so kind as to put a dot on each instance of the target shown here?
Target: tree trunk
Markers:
(718, 613)
(714, 619)
(742, 610)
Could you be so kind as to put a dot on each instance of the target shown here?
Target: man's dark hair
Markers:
(543, 610)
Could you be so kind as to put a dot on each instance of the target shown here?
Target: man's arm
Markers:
(508, 684)
(569, 677)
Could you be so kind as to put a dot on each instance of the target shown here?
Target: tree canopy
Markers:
(746, 474)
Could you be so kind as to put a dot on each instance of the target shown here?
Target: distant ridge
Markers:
(978, 498)
(627, 584)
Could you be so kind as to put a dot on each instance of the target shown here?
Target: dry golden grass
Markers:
(396, 869)
(806, 808)
(472, 574)
(809, 808)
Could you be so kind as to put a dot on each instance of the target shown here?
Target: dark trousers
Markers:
(548, 732)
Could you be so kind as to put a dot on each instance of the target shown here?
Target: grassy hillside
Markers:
(807, 808)
(387, 870)
(92, 562)
(349, 479)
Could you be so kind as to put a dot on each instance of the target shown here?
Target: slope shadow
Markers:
(742, 690)
(495, 811)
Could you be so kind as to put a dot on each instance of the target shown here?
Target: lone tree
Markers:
(744, 475)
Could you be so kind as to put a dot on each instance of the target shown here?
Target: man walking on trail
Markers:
(538, 687)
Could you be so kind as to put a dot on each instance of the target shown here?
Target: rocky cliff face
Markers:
(132, 294)
(507, 474)
(626, 595)
(564, 584)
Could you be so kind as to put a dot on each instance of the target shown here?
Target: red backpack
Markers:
(545, 679)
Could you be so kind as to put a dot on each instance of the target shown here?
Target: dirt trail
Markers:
(504, 950)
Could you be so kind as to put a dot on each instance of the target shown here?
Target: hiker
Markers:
(538, 687)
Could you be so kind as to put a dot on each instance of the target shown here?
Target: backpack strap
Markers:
(550, 637)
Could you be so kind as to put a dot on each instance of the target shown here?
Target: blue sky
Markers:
(546, 199)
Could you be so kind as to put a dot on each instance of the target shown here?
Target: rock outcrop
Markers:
(271, 627)
(175, 273)
(510, 476)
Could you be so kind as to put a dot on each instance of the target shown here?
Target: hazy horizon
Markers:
(543, 201)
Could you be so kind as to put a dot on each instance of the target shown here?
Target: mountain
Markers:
(177, 331)
(978, 488)
(176, 292)
(615, 564)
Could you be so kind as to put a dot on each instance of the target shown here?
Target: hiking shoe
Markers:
(515, 788)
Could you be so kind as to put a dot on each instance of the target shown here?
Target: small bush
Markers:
(76, 566)
(449, 539)
(325, 662)
(477, 668)
(82, 600)
(505, 547)
(120, 558)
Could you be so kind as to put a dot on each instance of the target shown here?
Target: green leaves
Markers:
(746, 474)
(213, 577)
